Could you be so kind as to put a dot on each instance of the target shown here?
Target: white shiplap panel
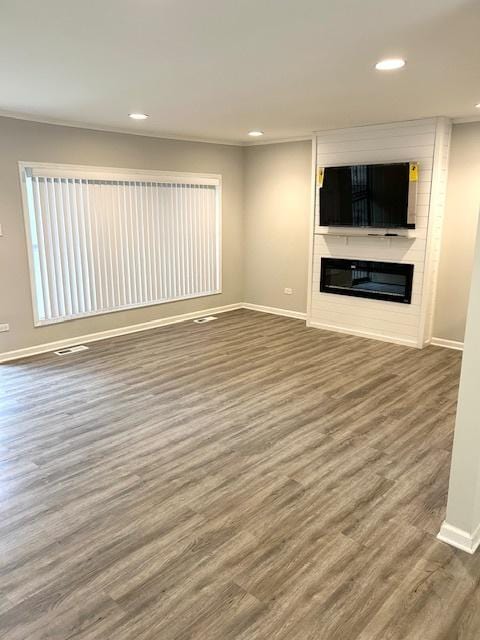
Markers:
(375, 308)
(372, 324)
(390, 130)
(319, 298)
(401, 313)
(373, 156)
(422, 142)
(393, 142)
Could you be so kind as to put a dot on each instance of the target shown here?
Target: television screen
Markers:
(374, 195)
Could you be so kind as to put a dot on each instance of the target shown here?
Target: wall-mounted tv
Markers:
(372, 195)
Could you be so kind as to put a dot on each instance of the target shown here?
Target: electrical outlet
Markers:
(288, 291)
(4, 327)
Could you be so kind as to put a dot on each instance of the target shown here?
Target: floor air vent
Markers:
(205, 319)
(65, 352)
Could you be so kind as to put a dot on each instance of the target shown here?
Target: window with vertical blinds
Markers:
(101, 241)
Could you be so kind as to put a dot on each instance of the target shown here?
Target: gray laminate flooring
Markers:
(247, 479)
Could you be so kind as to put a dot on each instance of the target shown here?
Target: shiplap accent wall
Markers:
(423, 141)
(434, 232)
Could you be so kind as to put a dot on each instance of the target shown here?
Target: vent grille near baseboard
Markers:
(205, 319)
(65, 352)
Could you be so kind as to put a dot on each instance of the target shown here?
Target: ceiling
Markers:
(218, 68)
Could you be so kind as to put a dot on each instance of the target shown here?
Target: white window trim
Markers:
(55, 170)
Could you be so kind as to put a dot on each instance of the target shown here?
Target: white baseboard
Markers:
(275, 311)
(112, 333)
(407, 342)
(145, 326)
(459, 538)
(448, 344)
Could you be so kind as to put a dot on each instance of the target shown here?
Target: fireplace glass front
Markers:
(367, 279)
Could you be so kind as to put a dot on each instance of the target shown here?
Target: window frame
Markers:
(55, 170)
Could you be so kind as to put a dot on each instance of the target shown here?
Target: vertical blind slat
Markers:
(162, 236)
(89, 264)
(75, 241)
(56, 270)
(67, 223)
(41, 240)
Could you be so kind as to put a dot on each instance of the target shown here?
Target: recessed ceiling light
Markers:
(389, 64)
(477, 106)
(138, 116)
(255, 134)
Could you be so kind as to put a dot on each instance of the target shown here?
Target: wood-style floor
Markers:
(248, 479)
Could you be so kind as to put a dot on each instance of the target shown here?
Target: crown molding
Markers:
(261, 143)
(91, 127)
(466, 119)
(179, 138)
(379, 124)
(146, 134)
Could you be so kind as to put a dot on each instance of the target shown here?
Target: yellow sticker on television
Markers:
(413, 172)
(320, 174)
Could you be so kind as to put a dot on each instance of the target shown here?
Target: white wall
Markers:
(458, 239)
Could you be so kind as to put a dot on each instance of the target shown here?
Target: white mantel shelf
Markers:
(380, 236)
(347, 235)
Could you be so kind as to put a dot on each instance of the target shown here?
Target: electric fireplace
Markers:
(367, 279)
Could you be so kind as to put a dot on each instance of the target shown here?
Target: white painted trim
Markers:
(363, 334)
(93, 172)
(275, 311)
(93, 127)
(179, 138)
(448, 344)
(147, 134)
(459, 538)
(386, 124)
(145, 326)
(219, 238)
(260, 143)
(28, 241)
(466, 119)
(312, 225)
(112, 333)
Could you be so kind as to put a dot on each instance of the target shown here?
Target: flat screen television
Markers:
(373, 195)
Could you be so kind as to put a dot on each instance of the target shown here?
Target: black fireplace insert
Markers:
(390, 281)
